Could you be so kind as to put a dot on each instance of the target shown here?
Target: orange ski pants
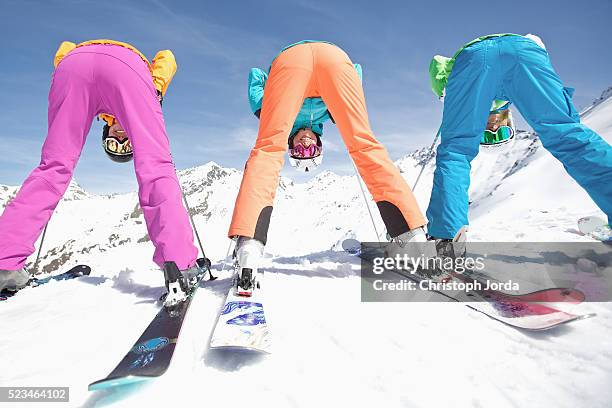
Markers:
(318, 70)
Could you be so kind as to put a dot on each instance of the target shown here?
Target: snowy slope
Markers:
(329, 348)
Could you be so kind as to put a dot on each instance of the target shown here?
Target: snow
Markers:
(329, 348)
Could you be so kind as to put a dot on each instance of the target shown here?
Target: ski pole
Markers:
(229, 249)
(429, 156)
(192, 222)
(42, 240)
(188, 209)
(206, 260)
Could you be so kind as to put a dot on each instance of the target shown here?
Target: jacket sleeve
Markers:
(163, 69)
(439, 70)
(109, 119)
(257, 82)
(64, 48)
(359, 71)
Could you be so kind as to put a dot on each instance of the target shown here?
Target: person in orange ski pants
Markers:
(303, 77)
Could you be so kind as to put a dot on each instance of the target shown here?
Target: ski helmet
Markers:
(305, 158)
(117, 150)
(502, 138)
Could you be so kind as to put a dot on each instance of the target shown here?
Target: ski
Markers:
(521, 314)
(152, 353)
(72, 273)
(521, 311)
(596, 228)
(242, 324)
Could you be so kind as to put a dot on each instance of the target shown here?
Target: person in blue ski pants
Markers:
(515, 69)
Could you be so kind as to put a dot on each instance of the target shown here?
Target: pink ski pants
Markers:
(91, 80)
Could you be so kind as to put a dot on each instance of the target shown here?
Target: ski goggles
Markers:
(501, 135)
(301, 154)
(115, 146)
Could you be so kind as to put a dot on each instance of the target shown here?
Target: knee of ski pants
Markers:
(55, 173)
(155, 192)
(449, 193)
(565, 139)
(568, 93)
(456, 152)
(451, 177)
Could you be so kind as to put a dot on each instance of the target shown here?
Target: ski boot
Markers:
(413, 245)
(447, 248)
(452, 248)
(12, 281)
(247, 258)
(180, 283)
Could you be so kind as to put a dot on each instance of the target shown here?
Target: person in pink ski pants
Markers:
(101, 77)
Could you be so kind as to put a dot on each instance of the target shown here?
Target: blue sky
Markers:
(216, 43)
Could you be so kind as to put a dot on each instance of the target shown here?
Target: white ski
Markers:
(242, 323)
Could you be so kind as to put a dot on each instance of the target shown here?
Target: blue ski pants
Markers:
(515, 69)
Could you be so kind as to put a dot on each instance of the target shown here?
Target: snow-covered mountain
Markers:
(329, 348)
(605, 95)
